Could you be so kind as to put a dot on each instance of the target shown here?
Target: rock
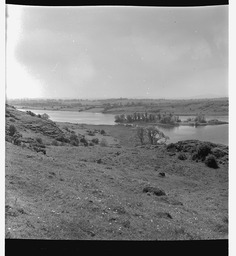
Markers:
(161, 174)
(99, 161)
(164, 215)
(155, 191)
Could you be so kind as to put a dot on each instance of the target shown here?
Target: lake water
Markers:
(213, 133)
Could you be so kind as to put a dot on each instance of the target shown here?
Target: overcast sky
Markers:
(103, 52)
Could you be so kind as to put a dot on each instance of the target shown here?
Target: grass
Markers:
(96, 193)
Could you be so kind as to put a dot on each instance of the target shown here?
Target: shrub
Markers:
(217, 152)
(84, 141)
(200, 118)
(202, 151)
(54, 143)
(45, 116)
(30, 113)
(12, 130)
(155, 135)
(95, 140)
(74, 140)
(194, 156)
(102, 132)
(39, 140)
(171, 147)
(12, 120)
(211, 161)
(141, 134)
(182, 156)
(17, 142)
(103, 143)
(63, 139)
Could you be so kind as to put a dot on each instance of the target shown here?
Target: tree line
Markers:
(165, 118)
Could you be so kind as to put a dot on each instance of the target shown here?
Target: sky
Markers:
(112, 52)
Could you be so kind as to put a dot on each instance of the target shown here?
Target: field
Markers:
(218, 106)
(110, 189)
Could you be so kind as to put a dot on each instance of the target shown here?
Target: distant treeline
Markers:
(147, 117)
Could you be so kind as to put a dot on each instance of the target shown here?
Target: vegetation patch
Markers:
(211, 162)
(103, 143)
(155, 191)
(182, 156)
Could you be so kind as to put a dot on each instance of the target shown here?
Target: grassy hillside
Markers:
(109, 188)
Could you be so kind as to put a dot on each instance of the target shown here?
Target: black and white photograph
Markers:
(116, 123)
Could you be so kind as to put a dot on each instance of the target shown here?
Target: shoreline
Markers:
(101, 110)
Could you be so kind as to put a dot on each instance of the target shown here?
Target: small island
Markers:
(165, 119)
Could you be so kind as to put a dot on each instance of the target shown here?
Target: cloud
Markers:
(117, 51)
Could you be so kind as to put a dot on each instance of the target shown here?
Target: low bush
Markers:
(30, 113)
(84, 141)
(218, 153)
(103, 143)
(203, 151)
(95, 140)
(171, 147)
(12, 130)
(55, 143)
(102, 132)
(194, 156)
(63, 139)
(211, 161)
(74, 140)
(182, 156)
(39, 140)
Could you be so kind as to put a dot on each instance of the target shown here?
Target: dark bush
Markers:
(95, 140)
(55, 143)
(171, 147)
(103, 143)
(155, 191)
(90, 133)
(211, 161)
(102, 132)
(182, 156)
(12, 130)
(30, 113)
(12, 120)
(63, 139)
(202, 151)
(74, 140)
(39, 140)
(218, 153)
(8, 138)
(84, 141)
(194, 156)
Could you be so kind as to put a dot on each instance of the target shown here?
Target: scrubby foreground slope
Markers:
(111, 190)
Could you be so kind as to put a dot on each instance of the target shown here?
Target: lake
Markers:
(213, 133)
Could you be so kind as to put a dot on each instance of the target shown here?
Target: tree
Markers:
(155, 135)
(140, 134)
(45, 116)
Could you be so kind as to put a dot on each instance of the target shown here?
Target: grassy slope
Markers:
(69, 194)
